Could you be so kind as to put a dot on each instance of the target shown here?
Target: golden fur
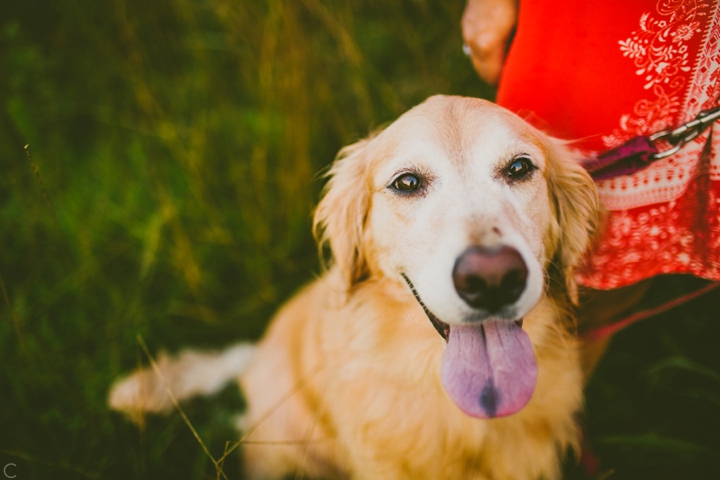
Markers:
(348, 374)
(373, 405)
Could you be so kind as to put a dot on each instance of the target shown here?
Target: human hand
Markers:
(486, 28)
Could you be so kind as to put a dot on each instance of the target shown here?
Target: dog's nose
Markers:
(490, 278)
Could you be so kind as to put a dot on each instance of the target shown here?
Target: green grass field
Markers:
(175, 151)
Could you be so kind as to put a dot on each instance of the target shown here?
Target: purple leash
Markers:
(639, 152)
(629, 158)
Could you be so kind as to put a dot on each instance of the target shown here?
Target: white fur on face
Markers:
(468, 201)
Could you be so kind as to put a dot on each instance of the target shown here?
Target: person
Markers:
(601, 73)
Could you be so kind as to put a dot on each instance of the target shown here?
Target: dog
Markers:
(439, 341)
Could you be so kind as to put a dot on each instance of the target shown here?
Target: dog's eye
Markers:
(406, 182)
(520, 168)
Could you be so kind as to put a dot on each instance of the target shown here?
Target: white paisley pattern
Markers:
(660, 55)
(666, 218)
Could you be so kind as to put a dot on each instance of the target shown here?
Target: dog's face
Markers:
(460, 206)
(468, 205)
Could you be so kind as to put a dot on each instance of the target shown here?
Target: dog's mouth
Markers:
(442, 328)
(488, 368)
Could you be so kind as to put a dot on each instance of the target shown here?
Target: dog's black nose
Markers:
(490, 278)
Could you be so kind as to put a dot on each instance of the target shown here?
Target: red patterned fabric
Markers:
(601, 73)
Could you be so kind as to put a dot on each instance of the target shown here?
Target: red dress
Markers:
(604, 72)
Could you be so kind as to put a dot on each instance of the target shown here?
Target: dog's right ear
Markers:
(577, 210)
(342, 212)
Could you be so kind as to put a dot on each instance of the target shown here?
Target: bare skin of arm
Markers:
(486, 28)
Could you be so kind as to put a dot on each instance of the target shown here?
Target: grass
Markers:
(177, 147)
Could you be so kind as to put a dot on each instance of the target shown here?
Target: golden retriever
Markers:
(439, 343)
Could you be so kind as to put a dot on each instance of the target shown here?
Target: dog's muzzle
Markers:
(488, 366)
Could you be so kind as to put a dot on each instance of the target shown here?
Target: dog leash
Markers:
(604, 331)
(630, 157)
(639, 152)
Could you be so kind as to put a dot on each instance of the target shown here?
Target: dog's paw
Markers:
(141, 392)
(185, 375)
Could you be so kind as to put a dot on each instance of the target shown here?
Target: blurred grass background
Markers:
(177, 146)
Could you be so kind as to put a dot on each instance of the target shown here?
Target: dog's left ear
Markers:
(577, 210)
(342, 212)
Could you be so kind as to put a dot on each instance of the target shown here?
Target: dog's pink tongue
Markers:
(489, 370)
